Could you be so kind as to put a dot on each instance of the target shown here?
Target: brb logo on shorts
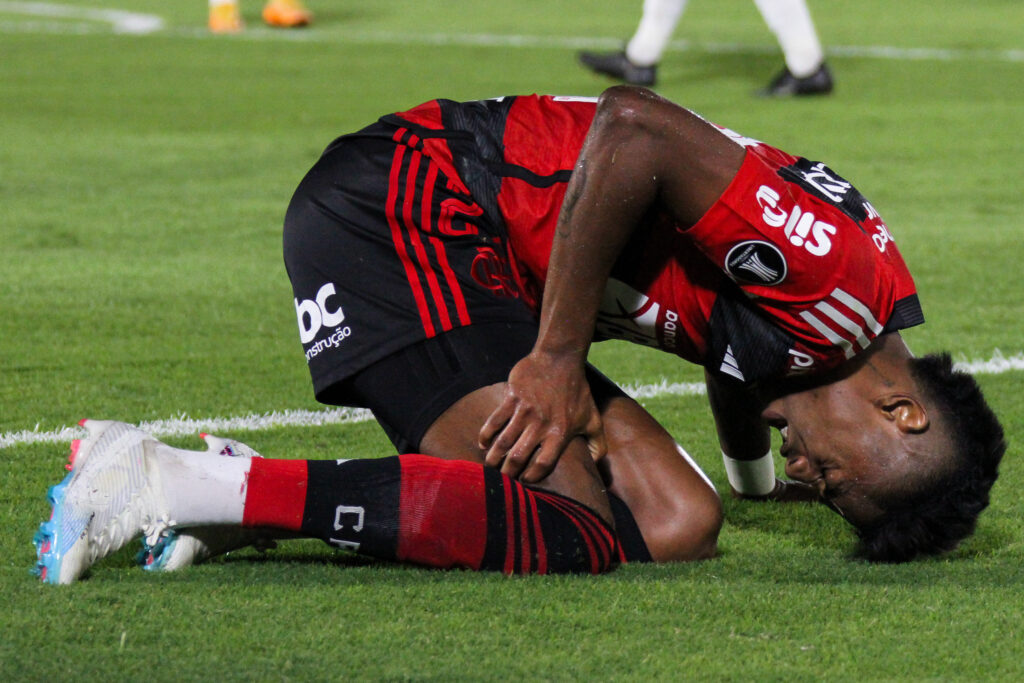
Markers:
(316, 314)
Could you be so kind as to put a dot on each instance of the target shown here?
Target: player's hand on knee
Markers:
(514, 447)
(545, 406)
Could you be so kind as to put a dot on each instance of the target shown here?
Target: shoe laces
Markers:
(144, 511)
(125, 527)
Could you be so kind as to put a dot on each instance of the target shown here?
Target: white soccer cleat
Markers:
(228, 447)
(179, 548)
(111, 495)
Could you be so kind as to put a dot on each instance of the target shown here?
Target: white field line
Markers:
(186, 426)
(62, 19)
(118, 21)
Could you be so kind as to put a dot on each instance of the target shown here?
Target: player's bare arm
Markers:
(641, 152)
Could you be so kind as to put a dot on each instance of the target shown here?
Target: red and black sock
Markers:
(429, 511)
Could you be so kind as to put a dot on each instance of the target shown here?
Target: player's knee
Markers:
(690, 532)
(577, 477)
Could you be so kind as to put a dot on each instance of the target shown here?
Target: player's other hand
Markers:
(786, 491)
(547, 403)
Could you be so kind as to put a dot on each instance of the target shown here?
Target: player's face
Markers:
(860, 433)
(837, 438)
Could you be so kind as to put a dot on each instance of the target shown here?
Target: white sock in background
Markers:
(790, 21)
(654, 32)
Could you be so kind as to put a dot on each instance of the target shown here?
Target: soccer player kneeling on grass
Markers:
(451, 266)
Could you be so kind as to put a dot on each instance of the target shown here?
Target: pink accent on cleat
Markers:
(203, 435)
(81, 423)
(75, 445)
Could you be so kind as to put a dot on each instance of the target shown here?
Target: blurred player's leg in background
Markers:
(637, 64)
(805, 72)
(225, 16)
(286, 14)
(657, 24)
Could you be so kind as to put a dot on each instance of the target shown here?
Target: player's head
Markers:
(940, 510)
(905, 449)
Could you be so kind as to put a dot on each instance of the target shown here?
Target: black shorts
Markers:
(404, 295)
(384, 251)
(408, 390)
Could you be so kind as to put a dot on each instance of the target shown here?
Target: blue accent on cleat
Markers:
(152, 558)
(56, 535)
(110, 495)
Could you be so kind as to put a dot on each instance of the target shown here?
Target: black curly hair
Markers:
(943, 511)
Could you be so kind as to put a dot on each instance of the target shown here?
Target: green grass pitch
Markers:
(143, 180)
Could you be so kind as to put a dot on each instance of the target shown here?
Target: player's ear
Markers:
(905, 411)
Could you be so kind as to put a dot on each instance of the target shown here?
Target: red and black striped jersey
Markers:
(791, 271)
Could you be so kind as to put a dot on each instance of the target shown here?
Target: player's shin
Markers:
(433, 512)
